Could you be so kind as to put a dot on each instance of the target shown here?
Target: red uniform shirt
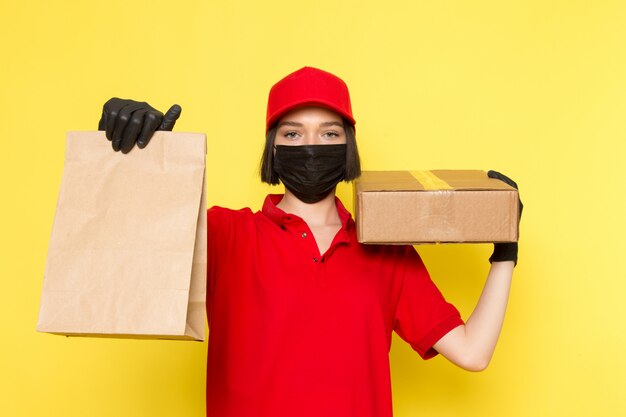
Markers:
(297, 333)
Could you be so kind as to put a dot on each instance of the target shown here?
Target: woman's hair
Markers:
(353, 163)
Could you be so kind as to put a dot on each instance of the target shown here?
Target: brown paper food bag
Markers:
(127, 253)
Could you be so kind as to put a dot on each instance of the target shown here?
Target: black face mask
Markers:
(310, 172)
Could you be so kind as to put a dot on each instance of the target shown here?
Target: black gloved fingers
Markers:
(505, 251)
(111, 109)
(122, 119)
(169, 120)
(499, 176)
(151, 122)
(129, 122)
(502, 177)
(133, 128)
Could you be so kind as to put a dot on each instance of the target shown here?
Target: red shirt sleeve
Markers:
(218, 237)
(224, 227)
(422, 316)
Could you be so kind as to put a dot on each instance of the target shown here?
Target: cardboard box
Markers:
(440, 206)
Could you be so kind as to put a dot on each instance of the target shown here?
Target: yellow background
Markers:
(535, 89)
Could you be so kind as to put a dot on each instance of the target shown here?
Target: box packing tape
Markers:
(430, 181)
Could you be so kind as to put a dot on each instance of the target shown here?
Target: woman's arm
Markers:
(471, 346)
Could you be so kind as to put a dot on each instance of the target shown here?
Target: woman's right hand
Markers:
(127, 122)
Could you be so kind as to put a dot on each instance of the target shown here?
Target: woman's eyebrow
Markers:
(289, 123)
(333, 123)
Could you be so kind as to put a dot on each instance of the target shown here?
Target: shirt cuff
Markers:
(425, 346)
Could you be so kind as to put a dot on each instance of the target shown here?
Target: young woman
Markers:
(300, 314)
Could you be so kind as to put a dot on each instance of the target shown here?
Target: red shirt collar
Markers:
(281, 218)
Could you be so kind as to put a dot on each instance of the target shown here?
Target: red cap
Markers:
(308, 86)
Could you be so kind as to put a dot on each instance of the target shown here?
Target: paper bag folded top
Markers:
(127, 253)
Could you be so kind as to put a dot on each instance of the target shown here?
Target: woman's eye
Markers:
(290, 135)
(332, 134)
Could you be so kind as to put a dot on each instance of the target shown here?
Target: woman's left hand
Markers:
(505, 251)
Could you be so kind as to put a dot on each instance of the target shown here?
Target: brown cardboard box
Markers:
(441, 206)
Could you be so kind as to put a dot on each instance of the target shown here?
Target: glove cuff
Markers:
(504, 252)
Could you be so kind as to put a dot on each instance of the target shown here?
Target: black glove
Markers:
(505, 251)
(129, 121)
